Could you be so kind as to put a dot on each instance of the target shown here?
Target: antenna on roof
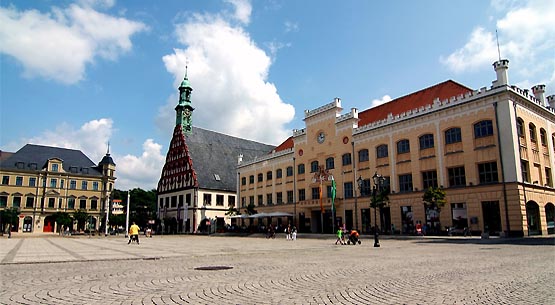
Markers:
(498, 49)
(186, 67)
(108, 151)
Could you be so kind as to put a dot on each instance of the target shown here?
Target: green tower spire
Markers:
(184, 110)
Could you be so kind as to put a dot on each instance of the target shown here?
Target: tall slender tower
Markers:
(184, 110)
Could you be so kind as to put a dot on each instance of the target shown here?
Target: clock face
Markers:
(321, 137)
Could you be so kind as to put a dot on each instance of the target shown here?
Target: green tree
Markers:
(81, 217)
(8, 217)
(63, 219)
(232, 211)
(434, 199)
(379, 200)
(250, 209)
(142, 207)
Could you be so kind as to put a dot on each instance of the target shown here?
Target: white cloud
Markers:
(228, 73)
(383, 100)
(526, 38)
(291, 26)
(92, 139)
(243, 9)
(58, 45)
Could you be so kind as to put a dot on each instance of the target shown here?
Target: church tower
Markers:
(184, 110)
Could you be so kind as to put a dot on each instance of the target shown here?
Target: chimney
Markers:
(501, 68)
(240, 159)
(539, 93)
(551, 101)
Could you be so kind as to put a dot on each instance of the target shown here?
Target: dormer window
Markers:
(217, 177)
(20, 165)
(55, 167)
(85, 170)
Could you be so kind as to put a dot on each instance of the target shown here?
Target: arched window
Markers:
(289, 171)
(330, 163)
(381, 151)
(313, 166)
(543, 137)
(300, 168)
(483, 129)
(453, 135)
(520, 127)
(279, 173)
(403, 146)
(426, 141)
(260, 177)
(269, 175)
(532, 129)
(363, 155)
(346, 159)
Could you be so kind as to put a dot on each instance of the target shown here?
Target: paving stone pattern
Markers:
(161, 270)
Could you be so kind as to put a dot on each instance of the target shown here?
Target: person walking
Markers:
(134, 233)
(339, 236)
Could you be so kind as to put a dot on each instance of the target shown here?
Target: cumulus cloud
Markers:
(243, 9)
(58, 45)
(228, 73)
(526, 38)
(92, 139)
(383, 100)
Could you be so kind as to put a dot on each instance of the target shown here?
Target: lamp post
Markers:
(359, 183)
(378, 181)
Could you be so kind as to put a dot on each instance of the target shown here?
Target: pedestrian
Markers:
(392, 229)
(339, 236)
(288, 232)
(134, 233)
(294, 233)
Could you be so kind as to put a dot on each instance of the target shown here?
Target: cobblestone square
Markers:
(310, 270)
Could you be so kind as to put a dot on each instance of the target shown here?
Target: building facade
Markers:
(491, 150)
(41, 180)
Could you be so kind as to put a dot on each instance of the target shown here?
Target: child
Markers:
(339, 236)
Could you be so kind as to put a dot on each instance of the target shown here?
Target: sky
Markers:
(82, 74)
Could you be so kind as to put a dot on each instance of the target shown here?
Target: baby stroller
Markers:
(353, 238)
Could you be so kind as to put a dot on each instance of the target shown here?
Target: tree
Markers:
(380, 199)
(8, 217)
(434, 199)
(63, 219)
(250, 209)
(142, 207)
(232, 211)
(81, 217)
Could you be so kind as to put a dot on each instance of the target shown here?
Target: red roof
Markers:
(402, 104)
(414, 100)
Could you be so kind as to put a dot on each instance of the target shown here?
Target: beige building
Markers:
(492, 151)
(42, 180)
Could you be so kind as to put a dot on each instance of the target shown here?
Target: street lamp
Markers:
(359, 182)
(378, 181)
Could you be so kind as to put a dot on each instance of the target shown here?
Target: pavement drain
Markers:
(212, 268)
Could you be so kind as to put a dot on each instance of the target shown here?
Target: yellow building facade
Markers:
(41, 180)
(491, 150)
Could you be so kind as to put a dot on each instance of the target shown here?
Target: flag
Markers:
(333, 190)
(321, 203)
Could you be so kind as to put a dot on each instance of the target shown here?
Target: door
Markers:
(492, 217)
(533, 218)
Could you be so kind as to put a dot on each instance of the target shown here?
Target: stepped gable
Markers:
(39, 156)
(215, 155)
(414, 100)
(178, 172)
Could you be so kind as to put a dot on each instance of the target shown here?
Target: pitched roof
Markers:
(411, 101)
(39, 155)
(287, 144)
(216, 153)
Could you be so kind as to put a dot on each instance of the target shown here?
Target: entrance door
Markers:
(48, 224)
(533, 217)
(28, 224)
(349, 219)
(492, 217)
(386, 219)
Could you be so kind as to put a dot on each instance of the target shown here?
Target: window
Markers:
(72, 184)
(315, 193)
(426, 141)
(269, 176)
(230, 201)
(520, 127)
(429, 179)
(5, 180)
(260, 200)
(405, 183)
(279, 197)
(532, 129)
(525, 169)
(366, 188)
(62, 183)
(314, 166)
(300, 169)
(95, 186)
(3, 201)
(269, 199)
(330, 163)
(346, 159)
(488, 172)
(54, 167)
(548, 181)
(83, 204)
(403, 146)
(243, 180)
(53, 182)
(302, 195)
(381, 151)
(71, 203)
(84, 185)
(289, 196)
(289, 171)
(251, 179)
(483, 129)
(543, 137)
(457, 176)
(251, 200)
(59, 203)
(453, 135)
(260, 177)
(279, 173)
(217, 177)
(220, 200)
(19, 181)
(32, 181)
(16, 203)
(207, 199)
(30, 202)
(348, 189)
(52, 202)
(363, 155)
(20, 165)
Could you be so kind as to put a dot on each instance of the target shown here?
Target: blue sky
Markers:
(80, 74)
